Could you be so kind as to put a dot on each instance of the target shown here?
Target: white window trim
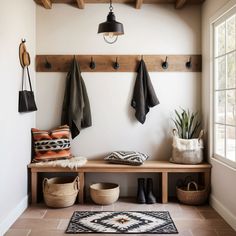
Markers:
(217, 19)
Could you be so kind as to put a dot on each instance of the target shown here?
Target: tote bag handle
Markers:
(23, 78)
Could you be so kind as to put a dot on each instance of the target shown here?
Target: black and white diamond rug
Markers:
(126, 222)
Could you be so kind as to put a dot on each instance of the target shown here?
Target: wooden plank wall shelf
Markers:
(127, 63)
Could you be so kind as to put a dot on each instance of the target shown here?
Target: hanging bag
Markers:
(26, 98)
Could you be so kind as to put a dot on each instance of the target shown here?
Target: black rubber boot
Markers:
(141, 191)
(150, 198)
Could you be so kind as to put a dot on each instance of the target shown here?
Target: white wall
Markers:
(155, 29)
(17, 21)
(223, 178)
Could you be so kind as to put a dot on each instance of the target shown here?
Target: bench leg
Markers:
(164, 187)
(81, 187)
(206, 179)
(34, 186)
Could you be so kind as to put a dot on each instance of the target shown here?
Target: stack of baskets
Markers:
(60, 191)
(195, 196)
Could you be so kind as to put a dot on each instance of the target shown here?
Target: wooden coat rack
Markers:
(126, 63)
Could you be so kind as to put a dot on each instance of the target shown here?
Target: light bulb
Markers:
(110, 37)
(110, 34)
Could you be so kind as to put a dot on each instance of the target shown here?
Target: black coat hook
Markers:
(116, 65)
(92, 64)
(189, 63)
(165, 64)
(47, 64)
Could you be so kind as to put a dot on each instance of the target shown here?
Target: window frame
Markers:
(222, 18)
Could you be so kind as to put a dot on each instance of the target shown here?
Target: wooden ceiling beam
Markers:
(47, 4)
(180, 4)
(136, 3)
(80, 4)
(139, 4)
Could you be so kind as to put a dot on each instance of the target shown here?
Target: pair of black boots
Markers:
(145, 195)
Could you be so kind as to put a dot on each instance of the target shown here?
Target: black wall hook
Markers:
(92, 64)
(116, 65)
(47, 64)
(189, 63)
(165, 64)
(23, 40)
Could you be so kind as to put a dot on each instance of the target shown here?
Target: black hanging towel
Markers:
(144, 95)
(76, 108)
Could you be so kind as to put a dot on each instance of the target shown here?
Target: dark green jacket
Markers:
(76, 108)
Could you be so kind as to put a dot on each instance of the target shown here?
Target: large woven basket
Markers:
(60, 191)
(197, 196)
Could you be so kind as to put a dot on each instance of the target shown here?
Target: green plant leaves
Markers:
(186, 123)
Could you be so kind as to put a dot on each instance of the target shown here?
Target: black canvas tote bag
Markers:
(26, 98)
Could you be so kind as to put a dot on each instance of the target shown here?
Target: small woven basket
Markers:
(198, 196)
(60, 192)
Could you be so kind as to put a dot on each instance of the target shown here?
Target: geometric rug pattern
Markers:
(124, 222)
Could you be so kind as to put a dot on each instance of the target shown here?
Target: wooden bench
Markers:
(163, 167)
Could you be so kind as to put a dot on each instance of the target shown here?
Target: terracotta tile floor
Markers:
(38, 220)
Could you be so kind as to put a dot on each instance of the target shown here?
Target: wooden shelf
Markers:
(128, 63)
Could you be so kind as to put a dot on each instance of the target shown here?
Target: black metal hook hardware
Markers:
(116, 65)
(23, 40)
(189, 63)
(92, 64)
(165, 64)
(47, 64)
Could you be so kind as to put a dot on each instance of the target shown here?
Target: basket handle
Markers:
(194, 183)
(175, 133)
(200, 135)
(76, 183)
(45, 183)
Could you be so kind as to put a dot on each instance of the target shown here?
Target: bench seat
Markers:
(100, 166)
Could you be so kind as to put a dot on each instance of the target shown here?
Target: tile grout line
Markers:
(44, 214)
(29, 232)
(216, 232)
(201, 216)
(59, 224)
(191, 232)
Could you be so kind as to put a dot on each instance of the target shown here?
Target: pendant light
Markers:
(111, 28)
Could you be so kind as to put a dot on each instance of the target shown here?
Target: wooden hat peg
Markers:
(23, 54)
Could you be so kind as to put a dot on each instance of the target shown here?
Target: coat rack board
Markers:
(127, 63)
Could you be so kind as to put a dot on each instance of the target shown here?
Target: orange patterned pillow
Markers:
(51, 145)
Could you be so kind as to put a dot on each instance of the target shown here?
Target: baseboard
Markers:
(223, 211)
(13, 215)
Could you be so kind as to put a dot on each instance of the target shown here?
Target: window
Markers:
(224, 77)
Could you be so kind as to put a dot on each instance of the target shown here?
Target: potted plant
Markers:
(187, 140)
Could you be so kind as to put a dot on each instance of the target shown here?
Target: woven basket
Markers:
(197, 196)
(60, 192)
(104, 193)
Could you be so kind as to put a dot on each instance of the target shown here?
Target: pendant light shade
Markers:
(111, 28)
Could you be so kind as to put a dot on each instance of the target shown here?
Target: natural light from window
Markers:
(225, 88)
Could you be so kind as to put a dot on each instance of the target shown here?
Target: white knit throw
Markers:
(72, 163)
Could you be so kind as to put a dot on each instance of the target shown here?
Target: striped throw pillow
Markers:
(51, 144)
(127, 157)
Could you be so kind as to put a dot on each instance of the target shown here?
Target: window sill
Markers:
(231, 166)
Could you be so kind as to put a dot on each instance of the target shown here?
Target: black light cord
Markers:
(111, 7)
